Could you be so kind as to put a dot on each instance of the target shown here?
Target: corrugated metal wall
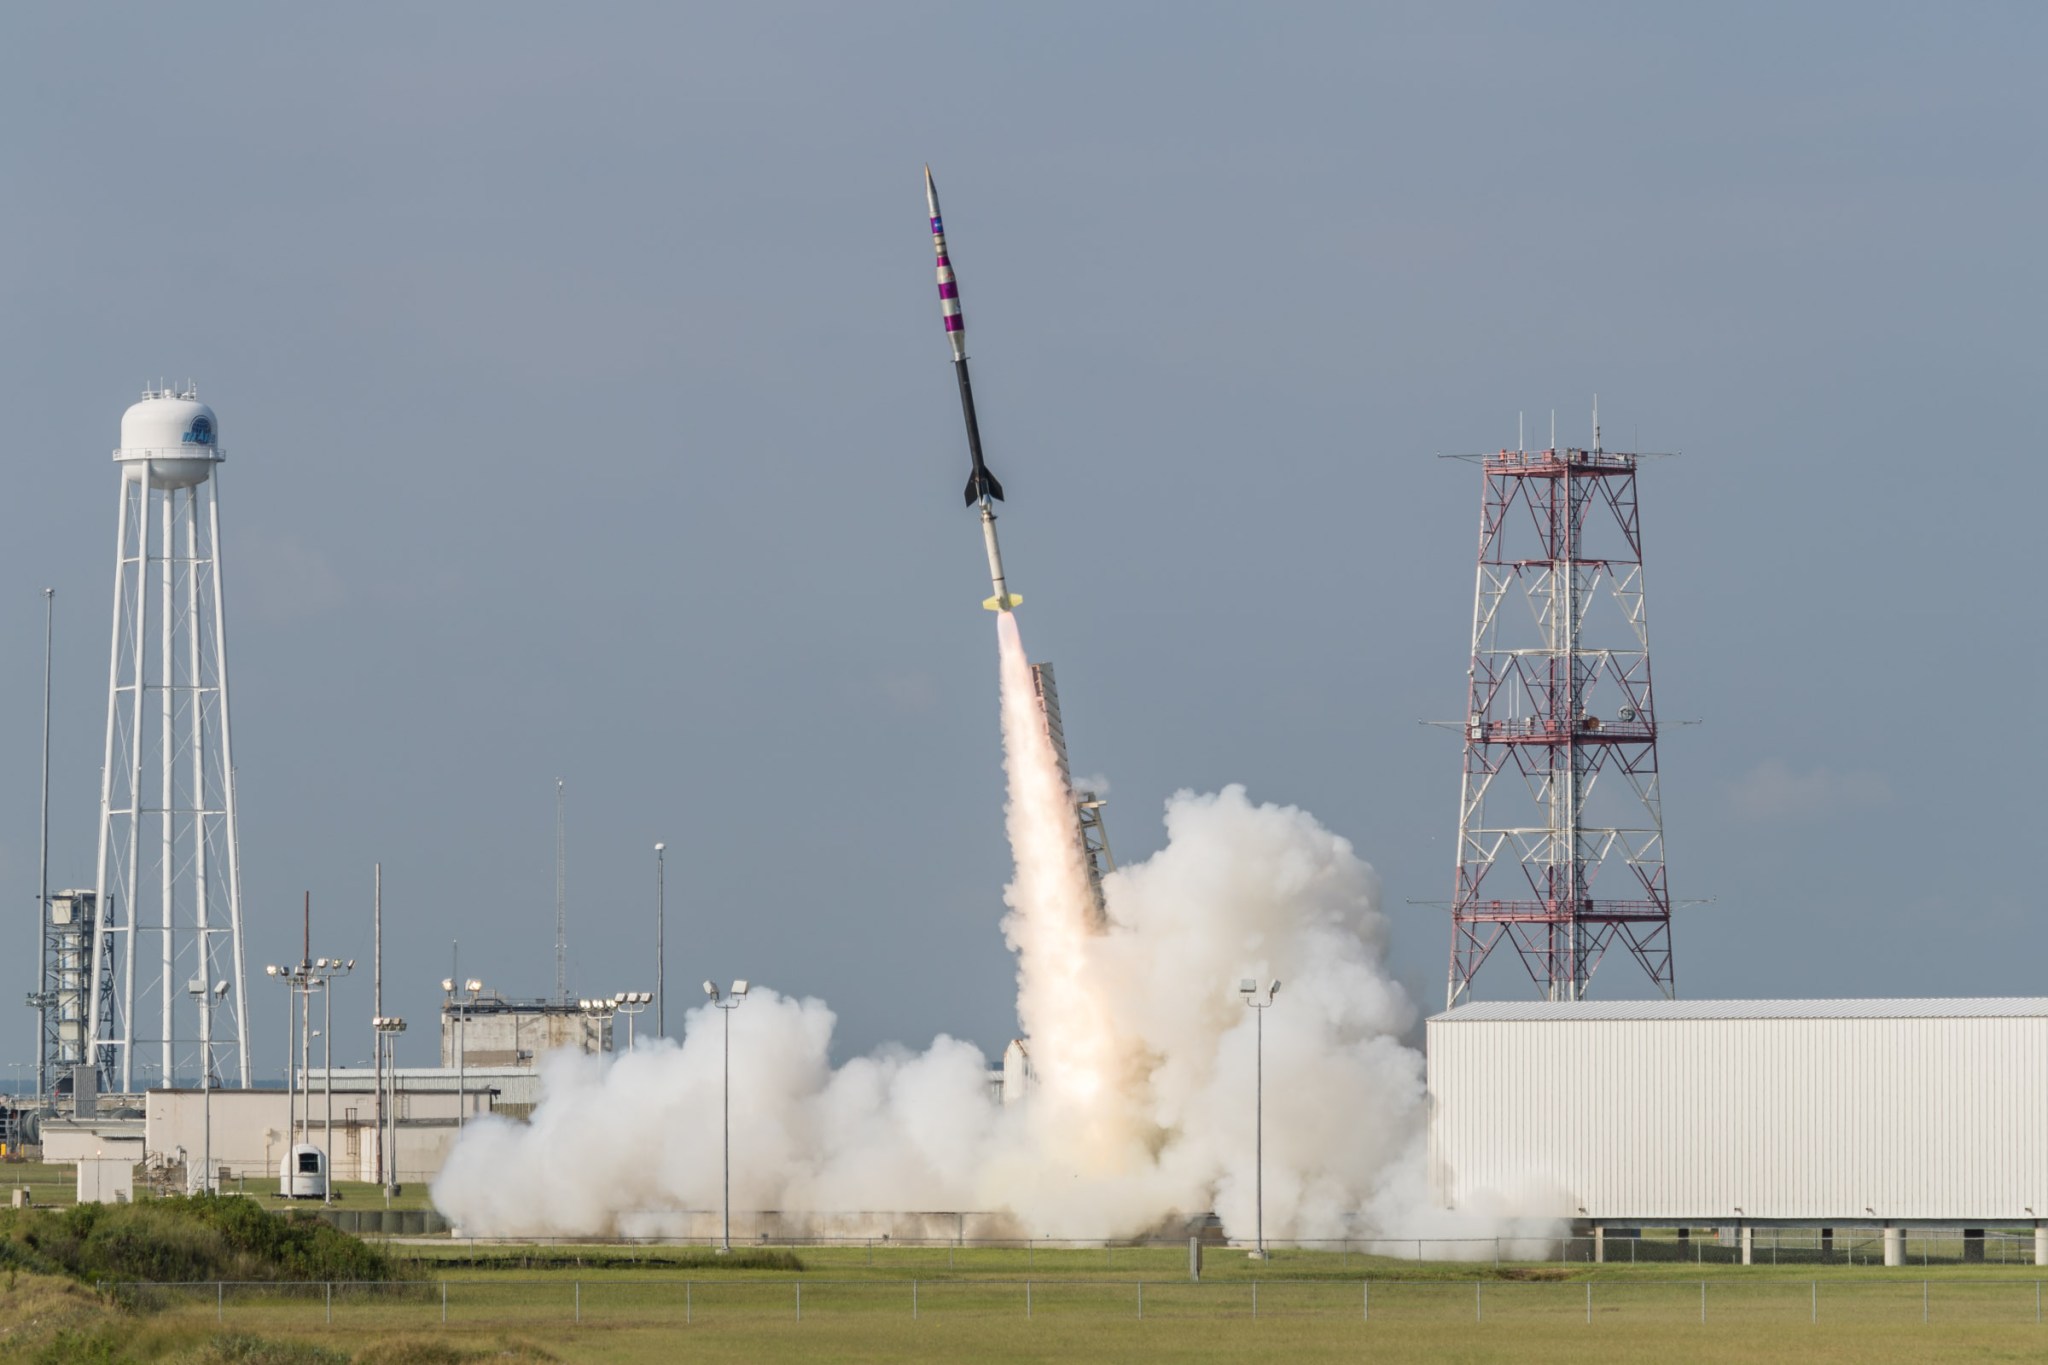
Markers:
(1692, 1118)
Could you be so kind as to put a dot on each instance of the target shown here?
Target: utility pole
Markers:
(43, 992)
(561, 895)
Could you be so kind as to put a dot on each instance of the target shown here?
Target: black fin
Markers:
(982, 482)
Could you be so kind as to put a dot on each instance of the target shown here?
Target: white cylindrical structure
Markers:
(305, 1173)
(1894, 1246)
(169, 439)
(169, 863)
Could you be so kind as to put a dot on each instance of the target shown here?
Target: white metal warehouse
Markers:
(1888, 1112)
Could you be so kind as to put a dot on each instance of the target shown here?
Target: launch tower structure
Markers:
(1095, 854)
(169, 865)
(1551, 857)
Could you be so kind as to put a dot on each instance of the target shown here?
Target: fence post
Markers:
(444, 1303)
(220, 1302)
(1923, 1300)
(330, 1303)
(1027, 1298)
(579, 1300)
(1255, 1298)
(1703, 1300)
(1476, 1314)
(1589, 1301)
(913, 1300)
(799, 1300)
(686, 1302)
(1141, 1300)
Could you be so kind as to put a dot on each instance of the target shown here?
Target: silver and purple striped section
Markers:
(949, 288)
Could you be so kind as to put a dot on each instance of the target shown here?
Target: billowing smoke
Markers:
(1142, 1112)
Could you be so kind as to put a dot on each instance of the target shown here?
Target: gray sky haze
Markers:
(588, 416)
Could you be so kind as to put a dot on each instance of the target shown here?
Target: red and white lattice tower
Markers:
(1560, 823)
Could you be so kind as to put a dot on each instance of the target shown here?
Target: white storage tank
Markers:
(1727, 1111)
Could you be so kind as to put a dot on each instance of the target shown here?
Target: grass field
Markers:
(1069, 1305)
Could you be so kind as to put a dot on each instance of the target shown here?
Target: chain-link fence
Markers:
(1926, 1248)
(515, 1302)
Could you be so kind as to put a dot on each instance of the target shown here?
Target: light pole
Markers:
(291, 1084)
(471, 989)
(631, 1004)
(726, 1006)
(304, 977)
(660, 941)
(1250, 990)
(388, 1028)
(327, 968)
(600, 1012)
(199, 994)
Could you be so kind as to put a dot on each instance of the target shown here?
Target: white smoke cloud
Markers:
(1146, 1056)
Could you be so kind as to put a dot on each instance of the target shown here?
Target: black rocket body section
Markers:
(980, 483)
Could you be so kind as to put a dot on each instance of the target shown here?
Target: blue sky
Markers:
(588, 416)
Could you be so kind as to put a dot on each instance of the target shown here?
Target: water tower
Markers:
(169, 891)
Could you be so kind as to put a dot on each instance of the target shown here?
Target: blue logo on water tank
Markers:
(201, 433)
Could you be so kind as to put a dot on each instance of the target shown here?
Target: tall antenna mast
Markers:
(44, 1035)
(561, 893)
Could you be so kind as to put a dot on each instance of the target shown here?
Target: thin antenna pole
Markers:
(1596, 424)
(660, 940)
(43, 862)
(377, 1011)
(561, 894)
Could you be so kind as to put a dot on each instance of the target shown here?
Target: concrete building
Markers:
(1878, 1113)
(250, 1137)
(491, 1031)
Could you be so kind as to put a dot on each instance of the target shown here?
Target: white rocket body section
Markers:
(1004, 599)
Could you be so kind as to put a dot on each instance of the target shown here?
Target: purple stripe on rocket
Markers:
(949, 291)
(955, 323)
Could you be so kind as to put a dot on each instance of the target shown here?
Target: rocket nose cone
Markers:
(931, 192)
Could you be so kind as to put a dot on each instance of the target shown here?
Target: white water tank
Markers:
(172, 439)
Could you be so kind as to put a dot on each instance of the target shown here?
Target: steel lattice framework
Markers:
(1552, 858)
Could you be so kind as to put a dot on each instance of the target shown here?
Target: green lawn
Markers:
(636, 1316)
